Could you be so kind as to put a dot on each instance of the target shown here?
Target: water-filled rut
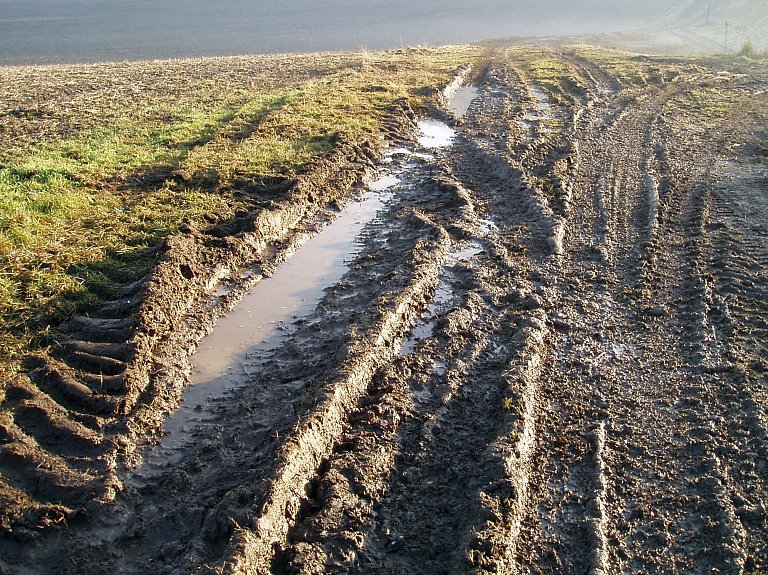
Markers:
(262, 320)
(267, 314)
(288, 397)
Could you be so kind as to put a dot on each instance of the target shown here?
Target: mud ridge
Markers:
(316, 436)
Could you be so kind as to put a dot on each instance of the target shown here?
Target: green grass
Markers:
(547, 68)
(90, 154)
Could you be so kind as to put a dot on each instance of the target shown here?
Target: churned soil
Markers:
(588, 394)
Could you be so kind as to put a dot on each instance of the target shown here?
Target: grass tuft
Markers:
(748, 51)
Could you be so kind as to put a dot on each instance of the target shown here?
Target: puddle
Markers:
(266, 316)
(438, 367)
(542, 99)
(259, 321)
(525, 124)
(434, 134)
(622, 351)
(425, 324)
(542, 112)
(443, 297)
(488, 226)
(460, 101)
(389, 156)
(263, 319)
(464, 255)
(383, 183)
(423, 395)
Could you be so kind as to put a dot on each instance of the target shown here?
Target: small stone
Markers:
(531, 303)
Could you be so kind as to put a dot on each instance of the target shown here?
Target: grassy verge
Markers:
(98, 164)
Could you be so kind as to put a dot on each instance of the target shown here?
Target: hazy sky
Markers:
(37, 31)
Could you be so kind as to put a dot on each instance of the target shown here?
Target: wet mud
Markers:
(546, 354)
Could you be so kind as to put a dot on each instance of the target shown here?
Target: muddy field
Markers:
(548, 353)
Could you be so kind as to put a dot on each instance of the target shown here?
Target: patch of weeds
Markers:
(708, 103)
(549, 73)
(551, 189)
(748, 51)
(548, 68)
(633, 70)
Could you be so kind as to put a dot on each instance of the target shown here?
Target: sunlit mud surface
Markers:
(543, 350)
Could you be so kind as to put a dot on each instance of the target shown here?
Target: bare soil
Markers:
(591, 397)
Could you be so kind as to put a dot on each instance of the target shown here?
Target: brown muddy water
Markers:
(460, 101)
(444, 296)
(435, 134)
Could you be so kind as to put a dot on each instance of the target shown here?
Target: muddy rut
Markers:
(547, 355)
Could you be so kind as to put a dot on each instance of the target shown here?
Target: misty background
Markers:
(72, 31)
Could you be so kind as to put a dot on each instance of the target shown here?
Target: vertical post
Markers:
(725, 47)
(709, 8)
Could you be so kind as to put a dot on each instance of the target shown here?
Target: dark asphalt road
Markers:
(69, 31)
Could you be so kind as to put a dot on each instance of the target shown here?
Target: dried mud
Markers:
(585, 266)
